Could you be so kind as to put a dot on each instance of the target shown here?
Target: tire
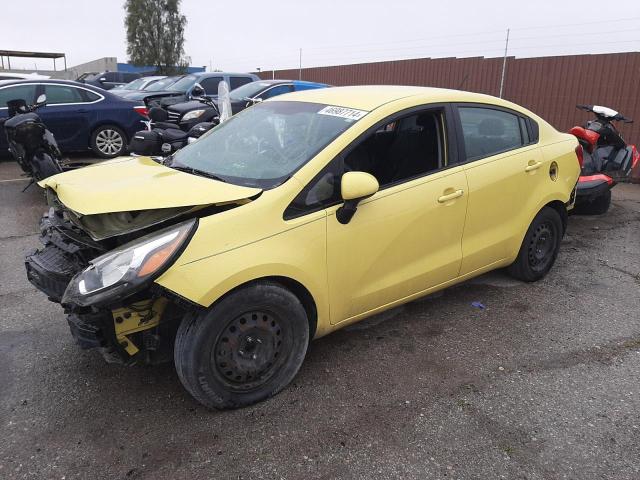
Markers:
(598, 206)
(108, 141)
(244, 349)
(539, 248)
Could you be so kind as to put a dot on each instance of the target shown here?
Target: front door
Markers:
(407, 237)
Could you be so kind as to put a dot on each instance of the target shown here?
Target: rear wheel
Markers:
(108, 141)
(244, 349)
(598, 206)
(539, 248)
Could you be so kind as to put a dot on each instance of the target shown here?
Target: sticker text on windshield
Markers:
(342, 112)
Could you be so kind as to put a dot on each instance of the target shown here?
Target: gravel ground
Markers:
(541, 384)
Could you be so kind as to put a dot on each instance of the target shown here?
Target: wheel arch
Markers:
(301, 292)
(107, 123)
(561, 208)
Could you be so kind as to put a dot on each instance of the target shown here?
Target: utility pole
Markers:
(300, 66)
(504, 63)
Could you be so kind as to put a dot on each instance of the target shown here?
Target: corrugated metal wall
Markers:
(549, 86)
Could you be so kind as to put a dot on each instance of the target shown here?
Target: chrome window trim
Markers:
(102, 97)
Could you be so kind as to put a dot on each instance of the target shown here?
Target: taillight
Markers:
(142, 110)
(580, 155)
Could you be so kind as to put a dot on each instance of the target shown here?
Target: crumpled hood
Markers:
(138, 183)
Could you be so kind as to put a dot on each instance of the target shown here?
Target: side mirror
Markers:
(102, 79)
(197, 91)
(41, 100)
(355, 187)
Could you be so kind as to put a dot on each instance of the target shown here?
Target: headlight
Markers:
(192, 114)
(128, 268)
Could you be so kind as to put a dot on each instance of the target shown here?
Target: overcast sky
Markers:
(245, 35)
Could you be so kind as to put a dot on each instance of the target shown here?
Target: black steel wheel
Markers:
(247, 347)
(539, 247)
(249, 350)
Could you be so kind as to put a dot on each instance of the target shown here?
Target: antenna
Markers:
(504, 63)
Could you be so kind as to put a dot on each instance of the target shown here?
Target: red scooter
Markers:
(604, 157)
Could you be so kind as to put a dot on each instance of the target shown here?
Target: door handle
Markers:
(450, 196)
(533, 165)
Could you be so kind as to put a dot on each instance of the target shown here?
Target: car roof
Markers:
(370, 97)
(214, 74)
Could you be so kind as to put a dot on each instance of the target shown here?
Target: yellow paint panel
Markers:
(138, 183)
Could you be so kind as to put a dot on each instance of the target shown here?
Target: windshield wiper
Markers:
(195, 171)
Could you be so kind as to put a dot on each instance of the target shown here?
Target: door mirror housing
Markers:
(355, 187)
(41, 100)
(197, 91)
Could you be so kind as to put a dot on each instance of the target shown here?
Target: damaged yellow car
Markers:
(295, 218)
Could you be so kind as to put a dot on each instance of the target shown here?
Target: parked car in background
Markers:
(187, 114)
(137, 84)
(80, 116)
(85, 75)
(295, 218)
(109, 80)
(180, 90)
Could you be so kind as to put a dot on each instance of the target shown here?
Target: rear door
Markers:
(507, 177)
(25, 91)
(67, 114)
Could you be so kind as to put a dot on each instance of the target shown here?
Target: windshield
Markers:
(135, 85)
(249, 90)
(184, 84)
(264, 145)
(160, 84)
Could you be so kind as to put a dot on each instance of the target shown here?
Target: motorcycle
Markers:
(162, 138)
(31, 144)
(604, 157)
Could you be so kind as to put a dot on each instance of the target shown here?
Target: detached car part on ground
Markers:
(604, 158)
(295, 218)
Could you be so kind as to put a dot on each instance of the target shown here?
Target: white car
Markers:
(22, 76)
(137, 84)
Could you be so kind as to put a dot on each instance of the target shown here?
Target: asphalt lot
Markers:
(541, 384)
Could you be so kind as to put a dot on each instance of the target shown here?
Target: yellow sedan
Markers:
(295, 218)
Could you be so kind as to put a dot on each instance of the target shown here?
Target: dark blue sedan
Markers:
(81, 116)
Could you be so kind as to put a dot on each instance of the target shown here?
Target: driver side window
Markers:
(398, 151)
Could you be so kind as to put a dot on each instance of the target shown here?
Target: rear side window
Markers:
(17, 92)
(239, 81)
(487, 131)
(129, 77)
(89, 96)
(210, 85)
(57, 94)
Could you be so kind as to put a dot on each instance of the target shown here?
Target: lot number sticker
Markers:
(342, 112)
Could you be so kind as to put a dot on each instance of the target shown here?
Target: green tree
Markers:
(155, 34)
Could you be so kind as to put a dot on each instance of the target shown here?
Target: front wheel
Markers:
(244, 349)
(108, 141)
(539, 248)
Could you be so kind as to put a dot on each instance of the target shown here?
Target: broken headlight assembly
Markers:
(128, 268)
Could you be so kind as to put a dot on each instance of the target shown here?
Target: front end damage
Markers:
(134, 320)
(129, 328)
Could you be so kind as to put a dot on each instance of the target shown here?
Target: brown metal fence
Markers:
(549, 86)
